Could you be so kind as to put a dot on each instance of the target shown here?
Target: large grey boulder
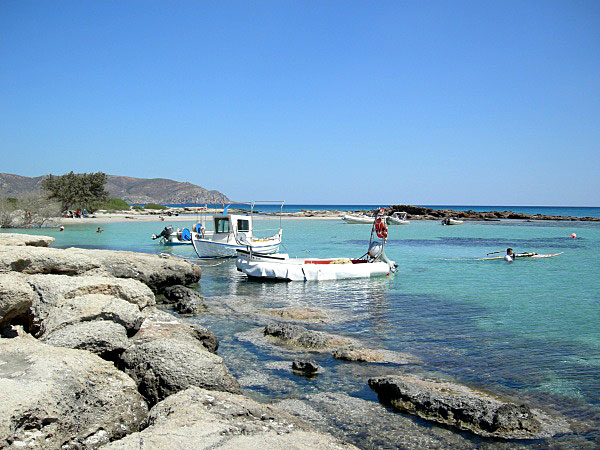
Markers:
(52, 290)
(152, 270)
(465, 408)
(201, 419)
(102, 337)
(166, 366)
(16, 297)
(92, 307)
(21, 240)
(56, 397)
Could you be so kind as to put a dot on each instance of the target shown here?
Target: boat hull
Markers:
(206, 248)
(279, 267)
(357, 219)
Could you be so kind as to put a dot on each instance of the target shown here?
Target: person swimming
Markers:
(99, 230)
(510, 255)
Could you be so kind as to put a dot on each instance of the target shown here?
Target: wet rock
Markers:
(16, 297)
(184, 299)
(298, 314)
(464, 408)
(154, 271)
(55, 397)
(358, 354)
(102, 337)
(370, 425)
(201, 419)
(301, 337)
(22, 240)
(307, 367)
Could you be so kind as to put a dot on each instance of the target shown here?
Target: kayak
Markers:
(521, 255)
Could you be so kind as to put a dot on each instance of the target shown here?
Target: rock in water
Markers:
(307, 367)
(184, 299)
(56, 397)
(464, 408)
(201, 419)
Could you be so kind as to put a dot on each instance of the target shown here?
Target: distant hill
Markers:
(132, 190)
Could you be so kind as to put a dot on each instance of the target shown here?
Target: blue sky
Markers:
(433, 102)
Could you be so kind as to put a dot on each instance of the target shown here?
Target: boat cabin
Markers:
(233, 224)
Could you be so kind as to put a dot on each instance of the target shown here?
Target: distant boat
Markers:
(234, 232)
(281, 267)
(451, 221)
(358, 219)
(398, 218)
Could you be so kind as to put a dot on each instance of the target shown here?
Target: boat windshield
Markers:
(222, 225)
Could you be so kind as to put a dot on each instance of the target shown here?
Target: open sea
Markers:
(530, 329)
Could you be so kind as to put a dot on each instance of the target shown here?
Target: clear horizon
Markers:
(462, 103)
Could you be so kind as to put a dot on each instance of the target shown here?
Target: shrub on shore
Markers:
(113, 204)
(154, 206)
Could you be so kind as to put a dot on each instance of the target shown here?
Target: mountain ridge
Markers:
(130, 189)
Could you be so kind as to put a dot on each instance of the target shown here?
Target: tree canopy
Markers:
(76, 190)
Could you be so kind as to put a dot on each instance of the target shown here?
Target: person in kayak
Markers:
(510, 255)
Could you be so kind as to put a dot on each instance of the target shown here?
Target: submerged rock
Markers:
(307, 367)
(184, 299)
(201, 419)
(301, 337)
(464, 408)
(56, 397)
(298, 314)
(358, 354)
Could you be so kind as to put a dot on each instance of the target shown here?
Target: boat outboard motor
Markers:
(375, 249)
(392, 264)
(166, 232)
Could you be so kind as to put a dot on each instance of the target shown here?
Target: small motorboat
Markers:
(451, 221)
(358, 219)
(374, 263)
(398, 218)
(180, 236)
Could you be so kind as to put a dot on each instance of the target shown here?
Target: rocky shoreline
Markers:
(88, 360)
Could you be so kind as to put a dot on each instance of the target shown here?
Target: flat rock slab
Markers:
(297, 314)
(102, 337)
(465, 408)
(55, 397)
(201, 419)
(22, 240)
(152, 270)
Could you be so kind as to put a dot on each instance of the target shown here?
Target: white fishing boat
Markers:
(348, 218)
(398, 218)
(234, 232)
(451, 221)
(374, 263)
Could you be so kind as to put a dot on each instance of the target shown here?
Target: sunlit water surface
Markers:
(529, 329)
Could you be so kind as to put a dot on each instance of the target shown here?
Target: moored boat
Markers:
(281, 267)
(234, 232)
(348, 218)
(451, 221)
(398, 218)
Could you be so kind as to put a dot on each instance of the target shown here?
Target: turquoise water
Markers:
(528, 329)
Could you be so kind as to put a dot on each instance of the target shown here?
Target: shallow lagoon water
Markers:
(528, 329)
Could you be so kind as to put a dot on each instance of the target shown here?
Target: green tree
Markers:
(76, 190)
